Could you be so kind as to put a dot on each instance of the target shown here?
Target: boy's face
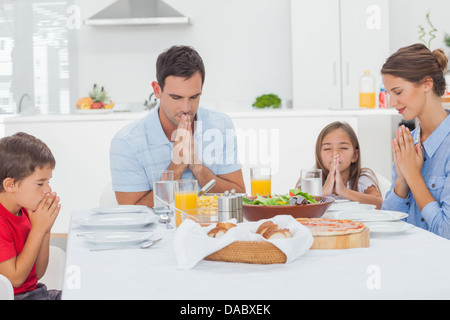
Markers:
(31, 190)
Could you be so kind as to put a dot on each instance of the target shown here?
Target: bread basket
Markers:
(258, 252)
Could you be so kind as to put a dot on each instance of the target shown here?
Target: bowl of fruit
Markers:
(296, 203)
(97, 102)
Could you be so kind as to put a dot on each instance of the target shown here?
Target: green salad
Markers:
(294, 197)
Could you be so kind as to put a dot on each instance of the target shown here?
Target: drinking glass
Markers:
(311, 181)
(185, 193)
(260, 181)
(163, 192)
(162, 175)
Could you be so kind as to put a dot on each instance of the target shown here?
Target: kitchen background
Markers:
(310, 53)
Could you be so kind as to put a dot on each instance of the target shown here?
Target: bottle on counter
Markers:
(367, 90)
(382, 98)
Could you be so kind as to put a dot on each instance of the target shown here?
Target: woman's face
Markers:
(337, 142)
(408, 98)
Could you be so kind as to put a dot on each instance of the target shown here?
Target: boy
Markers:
(28, 209)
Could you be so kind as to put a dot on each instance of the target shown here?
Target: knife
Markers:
(142, 245)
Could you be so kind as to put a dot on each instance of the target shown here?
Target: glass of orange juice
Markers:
(260, 181)
(185, 194)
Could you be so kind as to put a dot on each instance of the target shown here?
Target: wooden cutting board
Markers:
(354, 240)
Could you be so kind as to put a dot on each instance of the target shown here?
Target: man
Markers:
(174, 135)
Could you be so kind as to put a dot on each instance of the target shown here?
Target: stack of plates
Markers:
(119, 225)
(378, 221)
(118, 217)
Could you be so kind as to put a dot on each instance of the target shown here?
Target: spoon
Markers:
(164, 218)
(207, 187)
(143, 245)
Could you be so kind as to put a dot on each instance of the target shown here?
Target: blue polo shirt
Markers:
(435, 216)
(142, 147)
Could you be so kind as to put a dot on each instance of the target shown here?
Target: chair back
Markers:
(384, 184)
(107, 196)
(6, 289)
(54, 275)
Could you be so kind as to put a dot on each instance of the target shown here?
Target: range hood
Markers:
(137, 12)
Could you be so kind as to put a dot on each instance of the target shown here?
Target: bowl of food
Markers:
(295, 203)
(204, 216)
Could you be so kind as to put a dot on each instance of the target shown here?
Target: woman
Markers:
(414, 78)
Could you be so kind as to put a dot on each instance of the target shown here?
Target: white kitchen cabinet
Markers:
(333, 43)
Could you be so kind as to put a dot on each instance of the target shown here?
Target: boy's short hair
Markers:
(21, 154)
(179, 61)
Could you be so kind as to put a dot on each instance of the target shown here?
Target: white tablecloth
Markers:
(410, 265)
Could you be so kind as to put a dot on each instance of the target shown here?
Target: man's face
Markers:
(181, 96)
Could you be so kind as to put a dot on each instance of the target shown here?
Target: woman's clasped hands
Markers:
(408, 160)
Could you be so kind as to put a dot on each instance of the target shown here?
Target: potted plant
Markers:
(267, 101)
(431, 34)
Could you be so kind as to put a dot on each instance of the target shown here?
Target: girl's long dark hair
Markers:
(355, 168)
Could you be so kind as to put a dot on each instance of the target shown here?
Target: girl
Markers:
(414, 78)
(338, 155)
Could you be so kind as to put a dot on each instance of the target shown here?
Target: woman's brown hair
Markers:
(416, 62)
(355, 168)
(21, 154)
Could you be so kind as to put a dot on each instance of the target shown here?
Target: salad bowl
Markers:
(255, 212)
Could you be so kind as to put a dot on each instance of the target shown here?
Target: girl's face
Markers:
(338, 142)
(31, 190)
(408, 98)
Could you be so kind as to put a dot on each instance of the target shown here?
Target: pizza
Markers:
(328, 227)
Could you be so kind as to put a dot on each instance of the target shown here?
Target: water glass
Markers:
(163, 193)
(162, 175)
(311, 181)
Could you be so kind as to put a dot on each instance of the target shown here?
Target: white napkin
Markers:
(192, 243)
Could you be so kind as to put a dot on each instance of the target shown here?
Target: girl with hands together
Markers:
(338, 155)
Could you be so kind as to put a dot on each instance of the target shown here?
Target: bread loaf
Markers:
(267, 229)
(217, 232)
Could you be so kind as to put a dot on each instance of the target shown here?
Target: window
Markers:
(37, 56)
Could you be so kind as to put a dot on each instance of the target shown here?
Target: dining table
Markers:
(413, 264)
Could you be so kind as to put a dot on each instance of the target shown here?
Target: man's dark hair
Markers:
(179, 61)
(21, 154)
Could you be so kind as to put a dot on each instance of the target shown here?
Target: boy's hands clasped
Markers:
(46, 213)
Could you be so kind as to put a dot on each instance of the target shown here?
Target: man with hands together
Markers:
(178, 135)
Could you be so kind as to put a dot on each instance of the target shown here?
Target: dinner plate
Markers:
(345, 206)
(117, 238)
(117, 220)
(122, 209)
(370, 215)
(388, 227)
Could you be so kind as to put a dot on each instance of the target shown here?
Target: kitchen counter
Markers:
(254, 113)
